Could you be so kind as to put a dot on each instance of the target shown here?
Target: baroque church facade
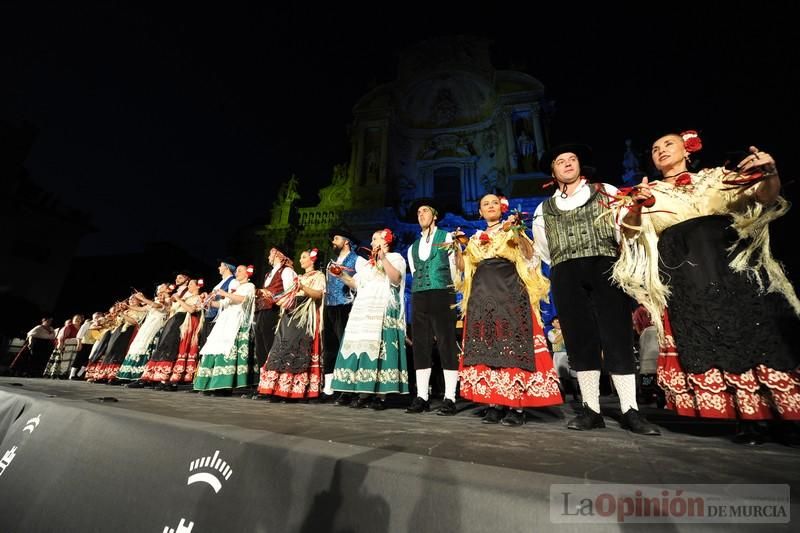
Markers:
(451, 126)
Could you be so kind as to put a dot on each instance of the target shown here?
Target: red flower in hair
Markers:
(691, 141)
(387, 235)
(200, 282)
(313, 253)
(504, 205)
(250, 270)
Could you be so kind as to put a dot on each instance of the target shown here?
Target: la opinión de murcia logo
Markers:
(33, 423)
(7, 458)
(210, 465)
(182, 527)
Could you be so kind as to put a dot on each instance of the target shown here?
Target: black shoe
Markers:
(493, 415)
(274, 399)
(587, 420)
(345, 399)
(749, 434)
(419, 405)
(135, 385)
(377, 403)
(324, 398)
(361, 402)
(635, 422)
(513, 418)
(448, 408)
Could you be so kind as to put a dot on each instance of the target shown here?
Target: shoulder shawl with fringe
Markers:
(504, 244)
(637, 270)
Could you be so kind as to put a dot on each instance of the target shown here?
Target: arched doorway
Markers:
(447, 188)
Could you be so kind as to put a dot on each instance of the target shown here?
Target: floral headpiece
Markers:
(387, 235)
(250, 269)
(691, 141)
(504, 204)
(313, 254)
(200, 283)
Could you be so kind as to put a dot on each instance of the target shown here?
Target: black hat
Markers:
(342, 232)
(583, 151)
(411, 213)
(230, 261)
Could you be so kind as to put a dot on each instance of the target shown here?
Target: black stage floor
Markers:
(498, 477)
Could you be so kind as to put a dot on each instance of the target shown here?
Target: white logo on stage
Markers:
(210, 463)
(33, 423)
(182, 527)
(7, 458)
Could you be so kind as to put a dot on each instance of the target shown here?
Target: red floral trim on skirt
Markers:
(758, 394)
(513, 387)
(289, 385)
(183, 368)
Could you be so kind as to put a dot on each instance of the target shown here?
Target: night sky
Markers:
(177, 123)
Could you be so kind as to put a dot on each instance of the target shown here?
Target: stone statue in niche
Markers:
(630, 163)
(372, 163)
(407, 191)
(525, 152)
(288, 192)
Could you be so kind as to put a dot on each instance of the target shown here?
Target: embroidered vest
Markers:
(576, 233)
(336, 292)
(433, 272)
(212, 311)
(276, 285)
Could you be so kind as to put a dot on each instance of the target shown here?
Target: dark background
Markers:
(176, 123)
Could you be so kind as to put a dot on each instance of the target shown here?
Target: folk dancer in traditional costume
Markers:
(292, 369)
(227, 282)
(338, 304)
(431, 260)
(224, 356)
(145, 342)
(697, 256)
(580, 244)
(372, 357)
(87, 336)
(505, 362)
(278, 280)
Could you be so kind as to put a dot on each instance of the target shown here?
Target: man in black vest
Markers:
(575, 236)
(278, 279)
(432, 307)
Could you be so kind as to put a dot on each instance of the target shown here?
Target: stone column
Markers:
(511, 144)
(537, 130)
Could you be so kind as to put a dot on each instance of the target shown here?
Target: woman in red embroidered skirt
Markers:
(292, 368)
(728, 337)
(505, 361)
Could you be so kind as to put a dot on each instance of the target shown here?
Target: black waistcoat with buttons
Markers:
(579, 232)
